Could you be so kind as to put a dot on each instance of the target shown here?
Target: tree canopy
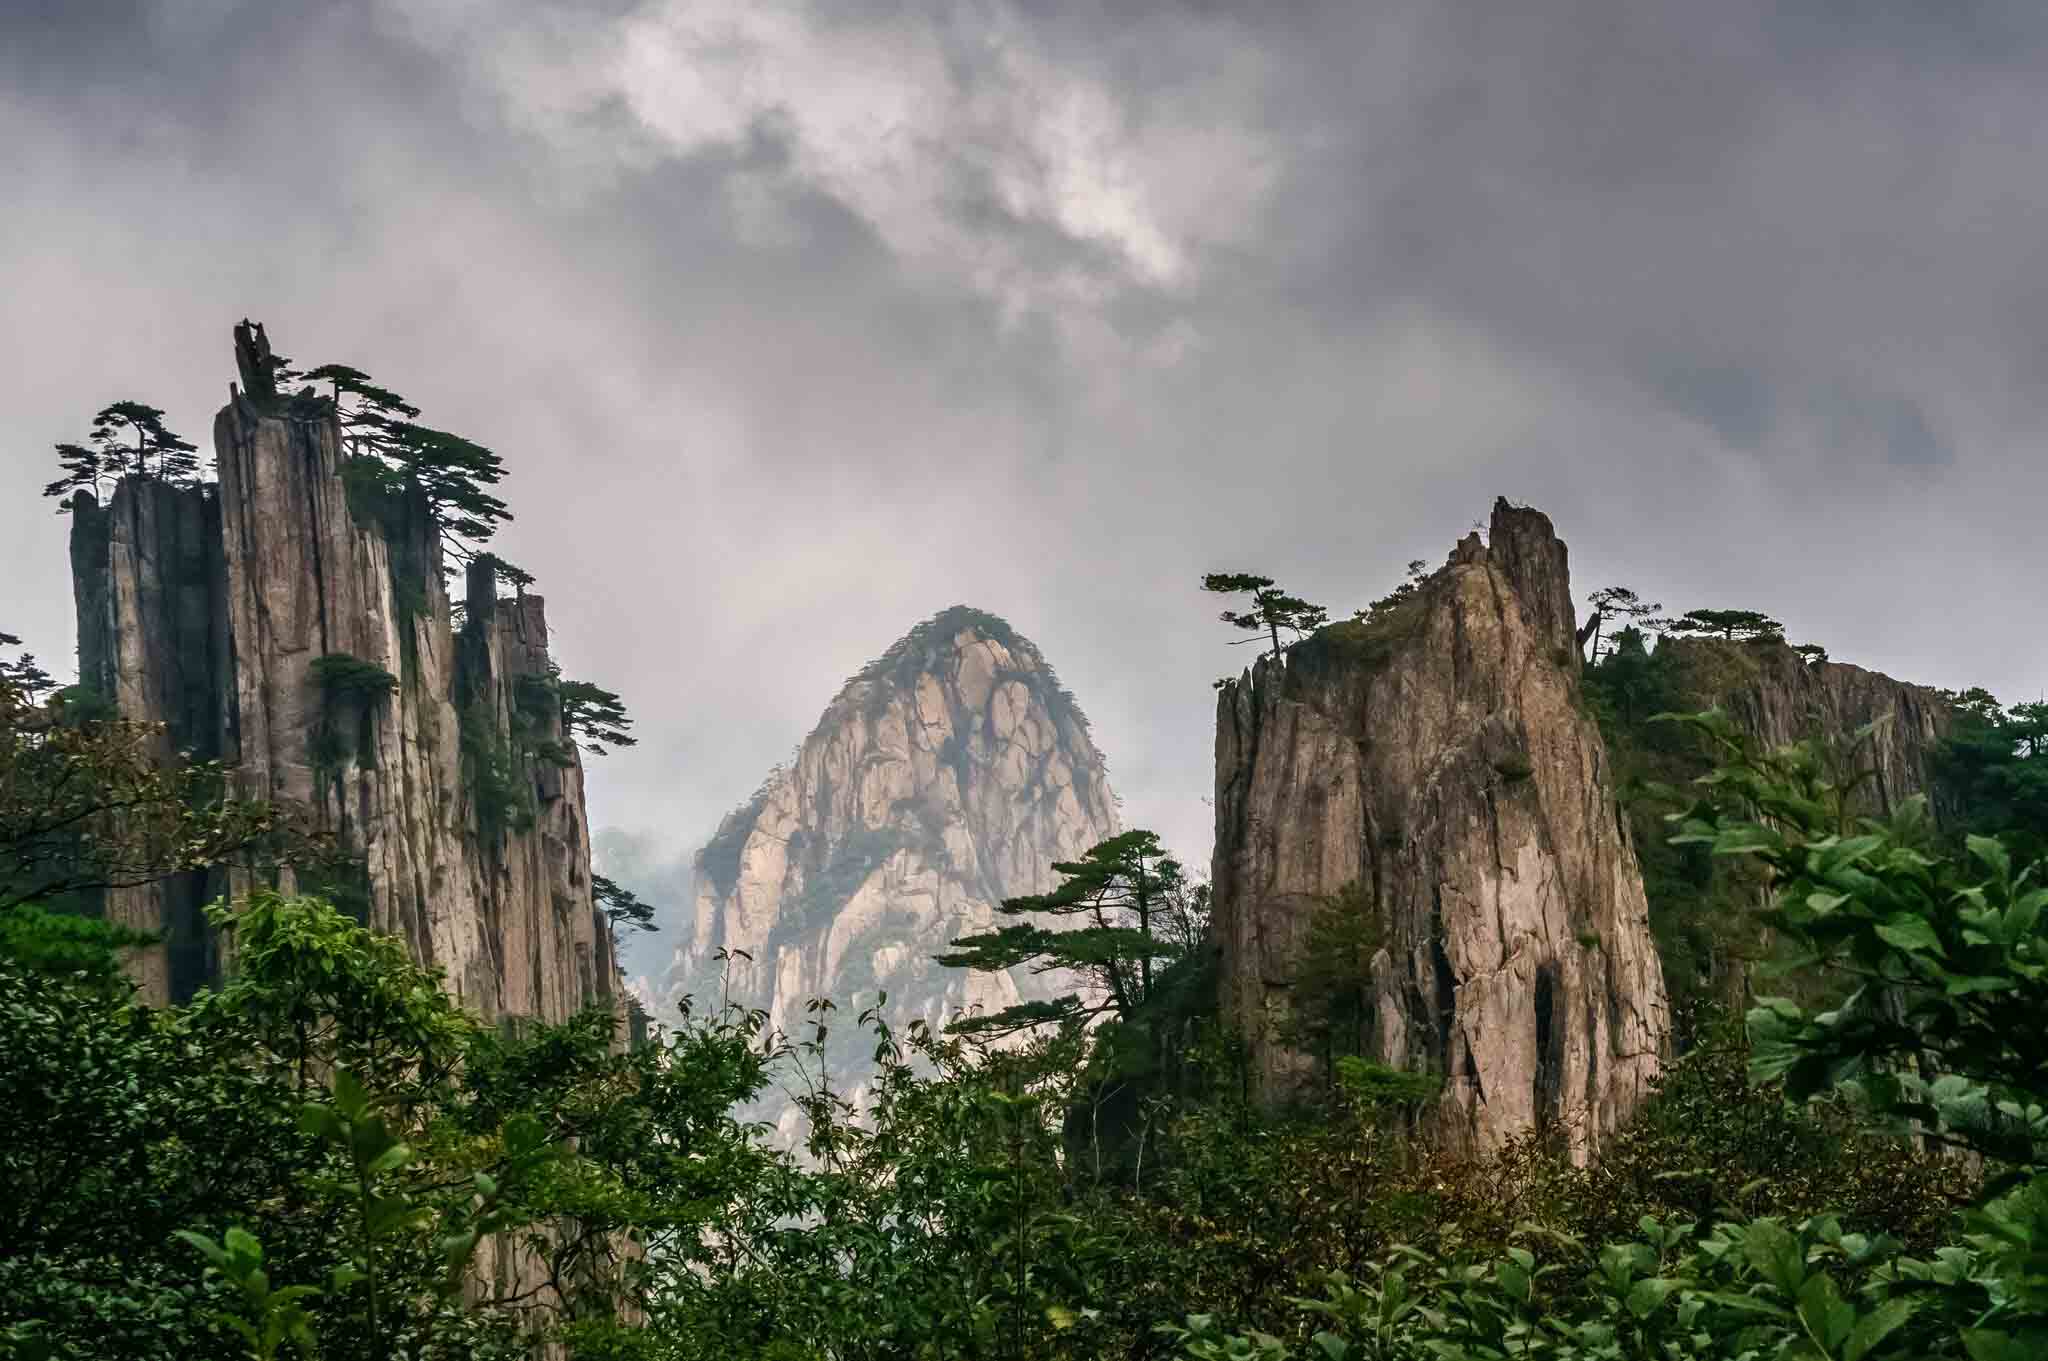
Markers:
(1272, 609)
(90, 803)
(593, 716)
(1620, 604)
(1733, 626)
(380, 427)
(621, 904)
(1138, 908)
(128, 439)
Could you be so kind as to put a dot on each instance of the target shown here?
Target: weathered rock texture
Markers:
(1439, 758)
(206, 608)
(1780, 698)
(949, 775)
(1702, 908)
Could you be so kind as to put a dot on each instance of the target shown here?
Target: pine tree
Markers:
(380, 426)
(1732, 626)
(1138, 906)
(129, 439)
(1272, 608)
(1620, 604)
(592, 715)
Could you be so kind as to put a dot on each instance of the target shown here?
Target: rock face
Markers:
(1780, 698)
(948, 775)
(1703, 909)
(455, 795)
(1437, 758)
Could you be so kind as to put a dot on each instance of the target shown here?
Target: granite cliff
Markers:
(1702, 907)
(1780, 697)
(292, 622)
(1435, 766)
(950, 774)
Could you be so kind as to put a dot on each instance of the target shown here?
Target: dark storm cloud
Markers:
(800, 323)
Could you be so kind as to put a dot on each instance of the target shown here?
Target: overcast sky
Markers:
(796, 324)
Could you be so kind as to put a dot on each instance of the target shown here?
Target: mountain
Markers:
(1702, 909)
(1434, 766)
(949, 774)
(292, 622)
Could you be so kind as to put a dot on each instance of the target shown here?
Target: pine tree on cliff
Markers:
(593, 715)
(1272, 608)
(129, 439)
(621, 904)
(1730, 626)
(1141, 915)
(1617, 603)
(379, 427)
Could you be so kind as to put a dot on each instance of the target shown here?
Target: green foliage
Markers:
(1730, 626)
(593, 715)
(1272, 609)
(1702, 908)
(342, 677)
(620, 904)
(129, 439)
(21, 676)
(1332, 998)
(1137, 904)
(89, 803)
(393, 455)
(1398, 600)
(34, 940)
(1378, 1087)
(494, 773)
(1513, 767)
(1943, 955)
(1621, 605)
(308, 1160)
(1992, 772)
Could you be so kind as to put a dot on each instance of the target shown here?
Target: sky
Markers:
(797, 323)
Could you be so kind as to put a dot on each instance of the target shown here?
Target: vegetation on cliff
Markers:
(326, 1155)
(189, 1181)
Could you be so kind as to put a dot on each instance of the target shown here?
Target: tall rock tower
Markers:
(292, 622)
(1435, 762)
(950, 774)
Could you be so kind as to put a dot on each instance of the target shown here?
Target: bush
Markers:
(343, 677)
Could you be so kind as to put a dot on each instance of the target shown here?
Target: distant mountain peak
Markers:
(948, 774)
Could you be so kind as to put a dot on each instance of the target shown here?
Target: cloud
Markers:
(797, 322)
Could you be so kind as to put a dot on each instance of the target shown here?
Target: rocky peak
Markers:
(1432, 766)
(947, 775)
(228, 612)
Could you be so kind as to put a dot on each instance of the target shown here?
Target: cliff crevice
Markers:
(292, 621)
(1435, 759)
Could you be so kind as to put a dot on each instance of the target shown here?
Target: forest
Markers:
(324, 1154)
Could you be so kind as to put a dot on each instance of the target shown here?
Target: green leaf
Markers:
(1993, 1344)
(349, 1095)
(320, 1122)
(1908, 931)
(212, 1251)
(391, 1158)
(1875, 1326)
(1993, 853)
(1646, 1296)
(1824, 1312)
